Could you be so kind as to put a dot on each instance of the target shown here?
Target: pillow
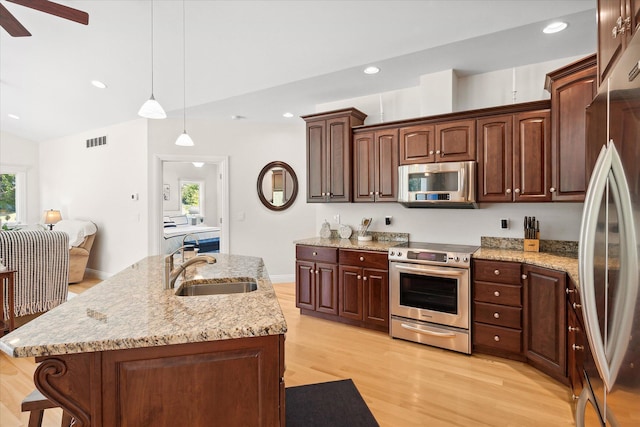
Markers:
(180, 220)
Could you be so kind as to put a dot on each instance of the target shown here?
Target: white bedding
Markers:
(182, 230)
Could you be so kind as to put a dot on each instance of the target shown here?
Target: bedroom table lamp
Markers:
(51, 217)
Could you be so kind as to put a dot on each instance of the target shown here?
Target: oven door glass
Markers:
(429, 292)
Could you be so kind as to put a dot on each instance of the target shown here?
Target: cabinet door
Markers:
(376, 296)
(417, 144)
(386, 165)
(569, 98)
(532, 157)
(364, 167)
(339, 160)
(545, 320)
(609, 46)
(495, 159)
(305, 279)
(326, 288)
(316, 161)
(351, 292)
(456, 141)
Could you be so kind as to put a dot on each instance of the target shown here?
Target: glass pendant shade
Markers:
(184, 140)
(152, 109)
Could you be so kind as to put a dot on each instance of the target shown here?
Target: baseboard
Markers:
(282, 278)
(89, 272)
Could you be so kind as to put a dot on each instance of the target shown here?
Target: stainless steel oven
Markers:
(430, 299)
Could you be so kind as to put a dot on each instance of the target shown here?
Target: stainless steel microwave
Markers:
(438, 185)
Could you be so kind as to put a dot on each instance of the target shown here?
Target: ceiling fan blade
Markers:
(11, 24)
(55, 9)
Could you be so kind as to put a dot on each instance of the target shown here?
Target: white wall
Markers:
(21, 154)
(97, 184)
(254, 229)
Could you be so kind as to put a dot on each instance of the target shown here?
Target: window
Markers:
(12, 196)
(192, 197)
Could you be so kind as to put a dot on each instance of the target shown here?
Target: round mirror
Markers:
(277, 186)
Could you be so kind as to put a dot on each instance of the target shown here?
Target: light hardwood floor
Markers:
(404, 384)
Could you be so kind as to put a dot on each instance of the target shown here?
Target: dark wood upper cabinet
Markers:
(495, 159)
(456, 141)
(514, 157)
(329, 146)
(572, 89)
(617, 23)
(532, 157)
(417, 144)
(375, 166)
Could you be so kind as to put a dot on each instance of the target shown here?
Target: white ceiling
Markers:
(259, 59)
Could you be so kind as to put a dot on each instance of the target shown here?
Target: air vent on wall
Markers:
(97, 142)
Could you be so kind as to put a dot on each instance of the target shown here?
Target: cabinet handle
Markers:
(552, 190)
(430, 151)
(574, 397)
(361, 258)
(364, 278)
(517, 191)
(496, 315)
(496, 293)
(377, 193)
(371, 193)
(577, 347)
(496, 272)
(508, 191)
(496, 338)
(315, 253)
(569, 291)
(437, 151)
(574, 329)
(524, 277)
(317, 271)
(359, 277)
(576, 306)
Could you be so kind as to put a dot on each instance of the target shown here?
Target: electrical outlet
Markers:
(336, 218)
(504, 223)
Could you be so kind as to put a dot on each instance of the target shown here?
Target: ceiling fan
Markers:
(16, 29)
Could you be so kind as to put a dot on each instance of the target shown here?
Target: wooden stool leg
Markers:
(35, 418)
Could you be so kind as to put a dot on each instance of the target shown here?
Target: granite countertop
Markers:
(132, 309)
(373, 245)
(557, 261)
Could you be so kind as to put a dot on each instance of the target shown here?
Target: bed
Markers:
(176, 228)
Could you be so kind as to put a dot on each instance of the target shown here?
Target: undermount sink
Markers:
(205, 287)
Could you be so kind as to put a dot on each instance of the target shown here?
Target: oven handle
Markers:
(441, 272)
(427, 332)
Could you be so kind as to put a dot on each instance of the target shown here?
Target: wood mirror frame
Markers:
(286, 183)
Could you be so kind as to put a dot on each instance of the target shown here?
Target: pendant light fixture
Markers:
(152, 108)
(184, 139)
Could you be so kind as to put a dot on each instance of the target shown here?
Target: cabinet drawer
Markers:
(317, 253)
(497, 293)
(497, 271)
(364, 259)
(498, 337)
(500, 315)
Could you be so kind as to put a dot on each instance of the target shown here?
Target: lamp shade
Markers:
(152, 109)
(51, 217)
(184, 140)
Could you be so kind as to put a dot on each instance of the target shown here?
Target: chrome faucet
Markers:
(171, 274)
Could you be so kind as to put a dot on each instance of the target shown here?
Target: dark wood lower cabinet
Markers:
(228, 382)
(545, 320)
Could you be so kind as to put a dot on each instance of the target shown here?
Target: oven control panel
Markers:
(451, 259)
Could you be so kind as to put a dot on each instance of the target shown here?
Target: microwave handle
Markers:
(448, 272)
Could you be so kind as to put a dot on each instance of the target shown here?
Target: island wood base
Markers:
(229, 382)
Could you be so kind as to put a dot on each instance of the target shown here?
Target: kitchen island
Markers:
(129, 352)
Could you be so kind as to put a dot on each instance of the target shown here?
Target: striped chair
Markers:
(41, 261)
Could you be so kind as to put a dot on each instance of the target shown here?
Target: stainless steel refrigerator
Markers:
(609, 248)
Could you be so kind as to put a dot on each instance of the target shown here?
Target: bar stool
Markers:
(36, 403)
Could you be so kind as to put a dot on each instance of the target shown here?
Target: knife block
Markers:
(532, 245)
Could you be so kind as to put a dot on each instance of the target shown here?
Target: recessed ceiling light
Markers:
(372, 70)
(237, 117)
(554, 27)
(198, 164)
(287, 115)
(98, 84)
(13, 116)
